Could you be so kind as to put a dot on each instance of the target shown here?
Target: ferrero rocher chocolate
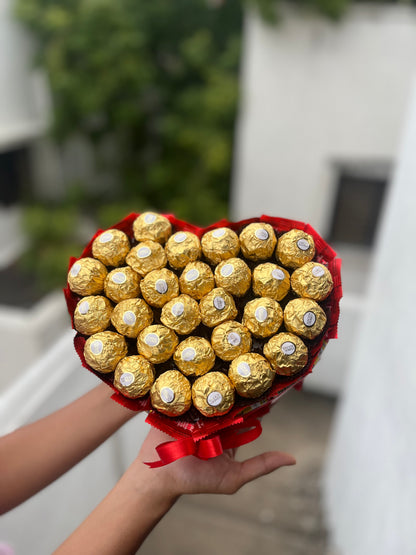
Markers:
(111, 247)
(304, 317)
(217, 307)
(258, 241)
(134, 376)
(157, 343)
(262, 317)
(313, 281)
(234, 276)
(251, 375)
(271, 280)
(171, 393)
(181, 248)
(151, 227)
(286, 353)
(213, 394)
(230, 339)
(295, 248)
(197, 279)
(181, 314)
(220, 244)
(146, 257)
(131, 316)
(104, 350)
(92, 314)
(122, 283)
(194, 356)
(159, 286)
(86, 276)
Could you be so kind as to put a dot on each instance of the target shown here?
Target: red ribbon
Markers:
(208, 448)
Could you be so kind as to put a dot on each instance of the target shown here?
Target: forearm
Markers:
(122, 521)
(35, 455)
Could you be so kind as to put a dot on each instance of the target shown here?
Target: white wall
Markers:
(317, 93)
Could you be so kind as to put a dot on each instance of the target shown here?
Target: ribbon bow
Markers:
(210, 447)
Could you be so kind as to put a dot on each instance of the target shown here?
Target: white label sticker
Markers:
(119, 278)
(303, 244)
(227, 270)
(214, 399)
(144, 252)
(97, 347)
(106, 237)
(288, 348)
(234, 338)
(261, 314)
(126, 379)
(178, 309)
(129, 318)
(149, 218)
(188, 354)
(219, 303)
(84, 307)
(309, 319)
(278, 274)
(318, 271)
(217, 233)
(179, 237)
(167, 394)
(244, 369)
(161, 286)
(262, 234)
(192, 275)
(152, 339)
(75, 270)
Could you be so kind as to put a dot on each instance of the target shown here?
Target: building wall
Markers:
(318, 94)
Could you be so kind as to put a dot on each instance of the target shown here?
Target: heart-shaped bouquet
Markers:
(203, 328)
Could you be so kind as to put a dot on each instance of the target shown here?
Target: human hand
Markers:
(222, 474)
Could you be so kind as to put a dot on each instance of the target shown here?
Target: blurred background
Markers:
(208, 109)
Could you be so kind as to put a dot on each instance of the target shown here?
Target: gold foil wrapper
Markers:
(234, 276)
(111, 247)
(194, 356)
(182, 247)
(146, 257)
(251, 375)
(157, 343)
(121, 284)
(92, 314)
(271, 280)
(150, 226)
(171, 393)
(220, 244)
(159, 287)
(131, 316)
(86, 276)
(213, 394)
(295, 248)
(197, 280)
(181, 314)
(313, 281)
(304, 317)
(263, 317)
(230, 340)
(104, 350)
(134, 376)
(217, 307)
(287, 353)
(258, 241)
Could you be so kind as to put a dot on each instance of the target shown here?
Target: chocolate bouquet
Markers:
(203, 328)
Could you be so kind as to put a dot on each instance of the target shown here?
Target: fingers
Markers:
(263, 464)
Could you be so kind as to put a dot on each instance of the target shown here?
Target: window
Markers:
(13, 175)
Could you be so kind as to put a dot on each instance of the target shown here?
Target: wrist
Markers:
(152, 484)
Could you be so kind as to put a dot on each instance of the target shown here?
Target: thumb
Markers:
(263, 464)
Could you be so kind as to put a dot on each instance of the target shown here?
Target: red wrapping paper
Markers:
(195, 434)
